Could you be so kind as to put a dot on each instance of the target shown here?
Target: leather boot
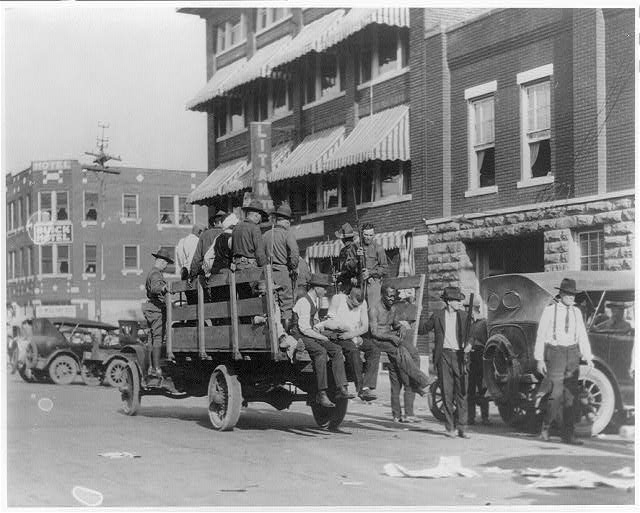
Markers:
(343, 393)
(155, 357)
(323, 399)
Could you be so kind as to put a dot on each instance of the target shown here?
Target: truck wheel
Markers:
(597, 402)
(63, 370)
(225, 398)
(130, 389)
(89, 376)
(330, 418)
(114, 374)
(435, 402)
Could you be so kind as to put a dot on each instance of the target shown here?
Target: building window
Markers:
(324, 75)
(221, 39)
(130, 206)
(20, 213)
(383, 50)
(90, 258)
(171, 268)
(11, 265)
(10, 219)
(535, 99)
(383, 180)
(265, 17)
(90, 206)
(62, 206)
(55, 259)
(230, 35)
(231, 116)
(19, 262)
(236, 114)
(174, 208)
(63, 261)
(28, 205)
(46, 259)
(314, 193)
(45, 207)
(53, 206)
(481, 135)
(131, 257)
(591, 247)
(28, 269)
(282, 96)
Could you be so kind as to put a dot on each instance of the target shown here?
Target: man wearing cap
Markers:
(450, 346)
(617, 322)
(375, 263)
(247, 244)
(207, 238)
(476, 389)
(155, 310)
(348, 261)
(561, 342)
(283, 254)
(319, 347)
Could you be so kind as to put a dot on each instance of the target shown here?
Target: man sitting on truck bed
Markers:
(319, 347)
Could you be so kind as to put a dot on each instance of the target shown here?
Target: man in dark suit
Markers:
(449, 351)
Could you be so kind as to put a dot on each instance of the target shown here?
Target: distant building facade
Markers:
(61, 206)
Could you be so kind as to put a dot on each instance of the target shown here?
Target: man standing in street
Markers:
(283, 255)
(207, 237)
(476, 389)
(319, 347)
(375, 263)
(155, 312)
(451, 345)
(560, 343)
(247, 244)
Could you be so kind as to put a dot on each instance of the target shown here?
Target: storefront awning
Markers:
(310, 155)
(324, 249)
(383, 136)
(357, 19)
(393, 240)
(244, 180)
(212, 184)
(331, 248)
(216, 85)
(310, 39)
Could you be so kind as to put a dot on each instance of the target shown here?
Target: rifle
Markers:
(333, 271)
(362, 283)
(463, 354)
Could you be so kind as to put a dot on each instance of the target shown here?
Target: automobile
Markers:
(514, 305)
(61, 347)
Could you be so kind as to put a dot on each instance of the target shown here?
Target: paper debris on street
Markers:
(117, 455)
(448, 466)
(87, 496)
(624, 472)
(498, 470)
(563, 477)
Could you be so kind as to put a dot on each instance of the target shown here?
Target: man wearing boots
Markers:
(155, 312)
(560, 344)
(319, 347)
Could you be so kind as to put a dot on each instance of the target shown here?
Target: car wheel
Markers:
(330, 418)
(597, 401)
(435, 401)
(63, 370)
(114, 375)
(130, 389)
(225, 398)
(90, 375)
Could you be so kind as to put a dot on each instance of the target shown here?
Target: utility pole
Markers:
(101, 158)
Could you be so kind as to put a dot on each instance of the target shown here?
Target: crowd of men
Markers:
(365, 318)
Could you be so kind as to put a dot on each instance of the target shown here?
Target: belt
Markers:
(244, 260)
(452, 350)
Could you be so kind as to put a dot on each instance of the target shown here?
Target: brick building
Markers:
(138, 211)
(477, 142)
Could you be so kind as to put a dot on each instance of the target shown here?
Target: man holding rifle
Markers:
(451, 328)
(375, 265)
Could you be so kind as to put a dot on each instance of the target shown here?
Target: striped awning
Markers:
(211, 186)
(331, 248)
(216, 85)
(310, 39)
(324, 249)
(383, 136)
(392, 240)
(310, 155)
(357, 19)
(244, 179)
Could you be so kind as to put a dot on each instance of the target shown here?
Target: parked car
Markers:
(515, 303)
(61, 347)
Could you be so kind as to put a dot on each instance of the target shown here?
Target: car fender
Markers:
(59, 352)
(136, 352)
(499, 342)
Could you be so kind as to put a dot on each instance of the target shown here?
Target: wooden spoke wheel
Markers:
(597, 402)
(130, 389)
(436, 401)
(114, 374)
(63, 370)
(225, 398)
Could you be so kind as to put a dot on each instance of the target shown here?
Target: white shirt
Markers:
(576, 334)
(302, 308)
(351, 319)
(450, 328)
(185, 250)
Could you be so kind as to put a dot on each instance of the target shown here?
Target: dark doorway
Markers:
(524, 254)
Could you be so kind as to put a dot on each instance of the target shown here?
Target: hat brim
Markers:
(254, 209)
(320, 284)
(340, 235)
(461, 297)
(573, 292)
(284, 216)
(156, 255)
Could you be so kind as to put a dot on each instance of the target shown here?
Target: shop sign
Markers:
(56, 310)
(49, 232)
(260, 135)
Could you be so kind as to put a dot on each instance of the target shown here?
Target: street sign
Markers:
(49, 232)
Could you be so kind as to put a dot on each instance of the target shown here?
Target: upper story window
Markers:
(175, 210)
(281, 96)
(53, 206)
(90, 206)
(535, 115)
(131, 257)
(314, 194)
(231, 116)
(11, 216)
(591, 250)
(230, 34)
(265, 17)
(55, 259)
(383, 49)
(29, 208)
(324, 75)
(20, 212)
(11, 265)
(383, 180)
(90, 258)
(130, 206)
(481, 130)
(27, 268)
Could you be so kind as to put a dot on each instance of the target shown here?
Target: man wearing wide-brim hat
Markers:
(450, 346)
(247, 244)
(348, 259)
(155, 310)
(283, 255)
(617, 322)
(561, 342)
(319, 347)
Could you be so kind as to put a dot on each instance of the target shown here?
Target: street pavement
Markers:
(55, 435)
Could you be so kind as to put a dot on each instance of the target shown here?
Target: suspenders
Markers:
(555, 322)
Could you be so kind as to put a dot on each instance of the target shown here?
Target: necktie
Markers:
(566, 322)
